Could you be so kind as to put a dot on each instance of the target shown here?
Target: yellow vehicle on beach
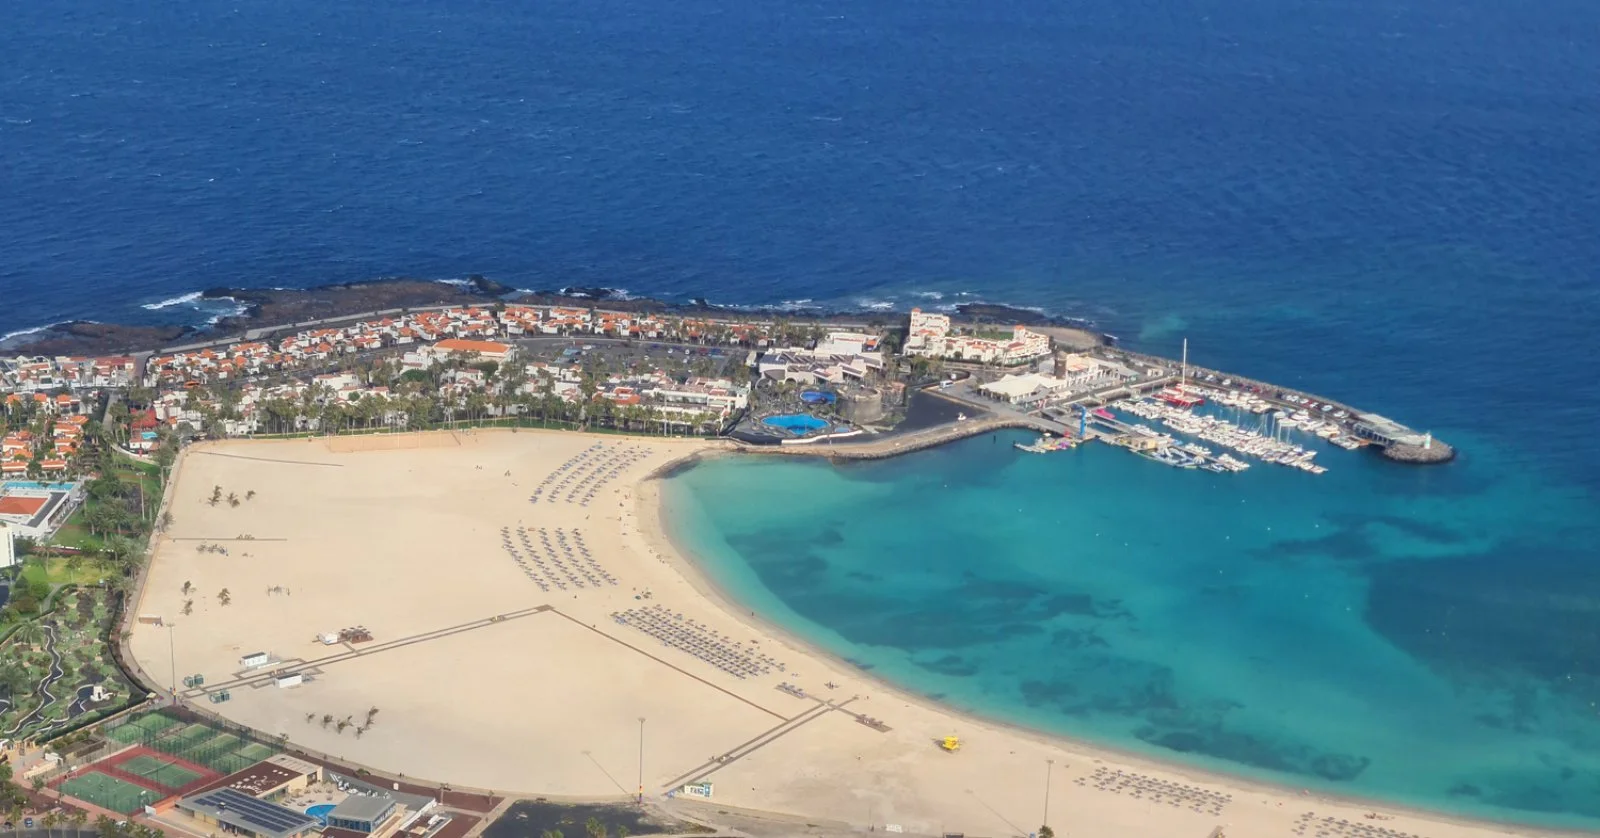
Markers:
(951, 744)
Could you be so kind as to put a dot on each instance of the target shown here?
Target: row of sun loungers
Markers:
(1156, 790)
(741, 660)
(582, 477)
(559, 560)
(1309, 824)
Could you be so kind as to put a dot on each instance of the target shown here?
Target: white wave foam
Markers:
(187, 299)
(234, 310)
(23, 332)
(459, 283)
(929, 295)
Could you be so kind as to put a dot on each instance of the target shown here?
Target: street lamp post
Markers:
(172, 663)
(641, 760)
(1048, 765)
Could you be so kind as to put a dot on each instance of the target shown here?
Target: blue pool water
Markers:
(818, 397)
(795, 423)
(36, 486)
(320, 812)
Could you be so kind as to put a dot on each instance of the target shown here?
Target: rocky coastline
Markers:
(1436, 452)
(268, 308)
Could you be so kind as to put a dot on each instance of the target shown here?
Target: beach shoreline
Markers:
(651, 517)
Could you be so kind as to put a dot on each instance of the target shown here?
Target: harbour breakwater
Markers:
(883, 446)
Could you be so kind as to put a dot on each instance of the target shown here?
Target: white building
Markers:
(930, 337)
(8, 547)
(839, 357)
(712, 395)
(1023, 390)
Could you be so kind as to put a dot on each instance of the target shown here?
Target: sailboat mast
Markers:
(1183, 375)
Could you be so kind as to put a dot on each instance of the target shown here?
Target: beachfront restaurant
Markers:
(361, 813)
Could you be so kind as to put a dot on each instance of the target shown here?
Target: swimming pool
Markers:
(818, 397)
(320, 812)
(22, 485)
(795, 423)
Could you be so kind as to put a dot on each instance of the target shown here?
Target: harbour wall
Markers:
(893, 445)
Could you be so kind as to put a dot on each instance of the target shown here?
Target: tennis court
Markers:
(163, 773)
(108, 792)
(197, 743)
(142, 728)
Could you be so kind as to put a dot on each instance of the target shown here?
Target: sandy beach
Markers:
(496, 660)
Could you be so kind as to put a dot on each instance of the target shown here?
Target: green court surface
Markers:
(184, 740)
(256, 752)
(196, 742)
(108, 792)
(160, 772)
(141, 729)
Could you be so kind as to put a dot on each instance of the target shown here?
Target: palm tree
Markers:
(119, 548)
(594, 828)
(12, 678)
(30, 633)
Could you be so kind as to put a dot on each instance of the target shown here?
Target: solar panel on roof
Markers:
(258, 815)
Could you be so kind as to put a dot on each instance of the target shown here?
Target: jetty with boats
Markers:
(1174, 414)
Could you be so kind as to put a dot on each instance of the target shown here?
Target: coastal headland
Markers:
(303, 316)
(534, 630)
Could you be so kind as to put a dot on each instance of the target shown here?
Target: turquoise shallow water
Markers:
(1415, 635)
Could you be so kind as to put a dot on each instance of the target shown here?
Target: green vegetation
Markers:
(56, 631)
(71, 570)
(47, 658)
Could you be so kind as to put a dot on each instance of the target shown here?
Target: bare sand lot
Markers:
(488, 568)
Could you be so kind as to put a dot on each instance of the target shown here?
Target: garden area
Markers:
(56, 663)
(55, 670)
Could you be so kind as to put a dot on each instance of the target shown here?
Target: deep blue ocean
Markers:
(1394, 204)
